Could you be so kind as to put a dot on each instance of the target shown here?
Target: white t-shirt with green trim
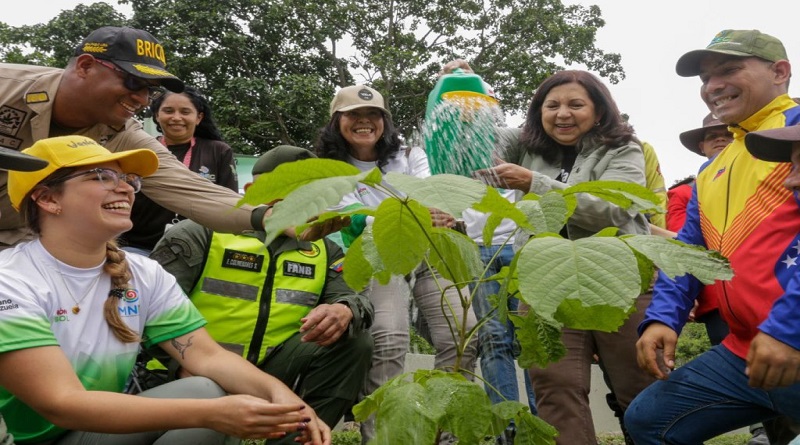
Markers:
(36, 310)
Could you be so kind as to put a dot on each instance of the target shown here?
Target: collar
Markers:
(752, 123)
(282, 243)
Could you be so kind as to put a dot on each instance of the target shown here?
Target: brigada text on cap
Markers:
(135, 51)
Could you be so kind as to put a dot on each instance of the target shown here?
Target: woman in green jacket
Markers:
(574, 133)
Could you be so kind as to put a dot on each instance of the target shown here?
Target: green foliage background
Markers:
(271, 67)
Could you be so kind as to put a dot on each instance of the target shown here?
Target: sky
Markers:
(650, 36)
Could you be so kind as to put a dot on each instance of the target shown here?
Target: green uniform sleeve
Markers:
(182, 252)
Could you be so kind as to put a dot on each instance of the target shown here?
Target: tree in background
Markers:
(271, 67)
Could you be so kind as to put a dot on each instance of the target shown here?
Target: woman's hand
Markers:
(249, 417)
(506, 175)
(442, 219)
(313, 431)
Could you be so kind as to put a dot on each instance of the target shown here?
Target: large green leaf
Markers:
(404, 416)
(540, 340)
(531, 430)
(676, 258)
(556, 209)
(449, 193)
(308, 201)
(287, 177)
(357, 269)
(591, 271)
(466, 407)
(623, 194)
(575, 314)
(547, 213)
(401, 231)
(455, 256)
(371, 402)
(499, 208)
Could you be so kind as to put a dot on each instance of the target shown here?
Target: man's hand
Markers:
(326, 323)
(317, 231)
(655, 350)
(772, 363)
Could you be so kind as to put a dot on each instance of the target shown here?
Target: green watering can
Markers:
(460, 122)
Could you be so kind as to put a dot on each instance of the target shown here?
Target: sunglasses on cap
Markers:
(134, 83)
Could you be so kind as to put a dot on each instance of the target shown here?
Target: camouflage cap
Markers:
(281, 154)
(733, 42)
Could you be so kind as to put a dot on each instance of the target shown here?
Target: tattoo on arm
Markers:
(181, 347)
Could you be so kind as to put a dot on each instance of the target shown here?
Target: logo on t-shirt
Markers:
(8, 305)
(60, 316)
(129, 303)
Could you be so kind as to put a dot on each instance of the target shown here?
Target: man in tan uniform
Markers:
(114, 74)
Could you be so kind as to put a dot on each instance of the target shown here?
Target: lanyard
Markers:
(187, 159)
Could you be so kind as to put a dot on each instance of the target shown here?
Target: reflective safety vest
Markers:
(251, 302)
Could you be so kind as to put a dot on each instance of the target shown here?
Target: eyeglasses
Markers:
(108, 178)
(134, 83)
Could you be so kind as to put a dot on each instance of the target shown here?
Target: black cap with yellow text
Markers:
(133, 50)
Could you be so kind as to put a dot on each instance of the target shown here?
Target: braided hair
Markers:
(116, 265)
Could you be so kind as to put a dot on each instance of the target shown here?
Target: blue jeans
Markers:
(706, 397)
(497, 341)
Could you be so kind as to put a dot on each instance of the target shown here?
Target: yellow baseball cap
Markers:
(75, 151)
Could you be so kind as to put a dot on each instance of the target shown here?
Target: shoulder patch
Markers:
(337, 265)
(312, 253)
(11, 120)
(37, 98)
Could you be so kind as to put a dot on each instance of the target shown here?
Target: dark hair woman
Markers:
(574, 133)
(361, 133)
(190, 133)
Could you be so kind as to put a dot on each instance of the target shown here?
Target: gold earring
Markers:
(56, 210)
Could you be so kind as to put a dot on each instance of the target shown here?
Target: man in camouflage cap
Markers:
(285, 307)
(740, 209)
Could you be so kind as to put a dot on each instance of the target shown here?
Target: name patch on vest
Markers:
(235, 259)
(300, 270)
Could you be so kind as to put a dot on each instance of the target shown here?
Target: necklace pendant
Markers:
(76, 309)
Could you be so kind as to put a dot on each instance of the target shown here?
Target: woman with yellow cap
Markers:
(74, 308)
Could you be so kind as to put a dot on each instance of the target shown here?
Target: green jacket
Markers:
(594, 162)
